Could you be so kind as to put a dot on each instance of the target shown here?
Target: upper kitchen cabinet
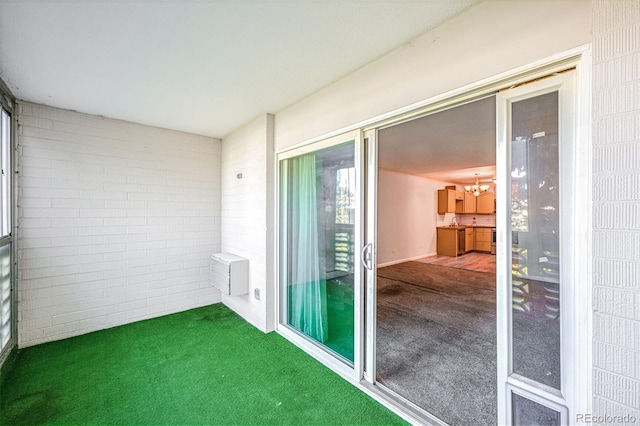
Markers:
(469, 202)
(485, 203)
(448, 201)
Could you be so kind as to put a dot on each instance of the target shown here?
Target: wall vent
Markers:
(229, 273)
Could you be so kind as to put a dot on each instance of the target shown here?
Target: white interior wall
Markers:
(116, 222)
(407, 213)
(616, 204)
(490, 38)
(247, 215)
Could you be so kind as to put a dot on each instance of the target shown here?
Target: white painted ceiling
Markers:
(449, 146)
(204, 67)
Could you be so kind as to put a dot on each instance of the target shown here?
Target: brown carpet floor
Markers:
(436, 341)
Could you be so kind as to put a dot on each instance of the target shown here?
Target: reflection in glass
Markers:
(519, 192)
(317, 205)
(345, 200)
(535, 239)
(530, 413)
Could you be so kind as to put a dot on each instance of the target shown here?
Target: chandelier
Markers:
(477, 189)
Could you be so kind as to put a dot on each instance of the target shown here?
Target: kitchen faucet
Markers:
(454, 221)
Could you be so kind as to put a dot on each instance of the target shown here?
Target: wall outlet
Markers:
(256, 293)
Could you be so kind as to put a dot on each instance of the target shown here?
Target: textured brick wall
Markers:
(247, 215)
(116, 222)
(616, 207)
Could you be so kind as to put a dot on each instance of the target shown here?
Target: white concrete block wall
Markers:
(116, 222)
(247, 215)
(616, 207)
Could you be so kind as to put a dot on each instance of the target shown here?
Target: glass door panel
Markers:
(6, 294)
(535, 235)
(535, 139)
(528, 412)
(317, 235)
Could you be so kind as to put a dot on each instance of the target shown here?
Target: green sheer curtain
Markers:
(306, 286)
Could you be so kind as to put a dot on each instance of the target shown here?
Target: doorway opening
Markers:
(436, 276)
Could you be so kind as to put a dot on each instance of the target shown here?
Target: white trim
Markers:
(561, 409)
(410, 412)
(517, 381)
(371, 238)
(503, 262)
(317, 351)
(317, 145)
(408, 259)
(358, 268)
(583, 231)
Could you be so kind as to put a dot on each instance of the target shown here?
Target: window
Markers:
(345, 197)
(6, 303)
(5, 176)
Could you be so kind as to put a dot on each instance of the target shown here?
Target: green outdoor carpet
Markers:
(203, 366)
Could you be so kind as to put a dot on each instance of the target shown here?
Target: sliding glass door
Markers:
(327, 261)
(318, 232)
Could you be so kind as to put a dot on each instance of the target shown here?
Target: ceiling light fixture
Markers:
(477, 189)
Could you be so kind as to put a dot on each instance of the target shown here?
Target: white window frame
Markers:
(7, 103)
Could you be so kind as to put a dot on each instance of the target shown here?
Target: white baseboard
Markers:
(408, 259)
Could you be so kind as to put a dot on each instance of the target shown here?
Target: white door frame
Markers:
(350, 372)
(508, 382)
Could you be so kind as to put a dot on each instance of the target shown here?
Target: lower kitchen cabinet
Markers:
(483, 239)
(458, 240)
(450, 241)
(469, 239)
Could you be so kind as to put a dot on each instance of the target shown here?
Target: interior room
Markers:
(436, 301)
(436, 312)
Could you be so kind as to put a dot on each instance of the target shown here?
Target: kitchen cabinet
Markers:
(448, 201)
(483, 239)
(469, 239)
(469, 202)
(450, 241)
(485, 203)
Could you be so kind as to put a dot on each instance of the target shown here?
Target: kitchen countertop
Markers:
(464, 226)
